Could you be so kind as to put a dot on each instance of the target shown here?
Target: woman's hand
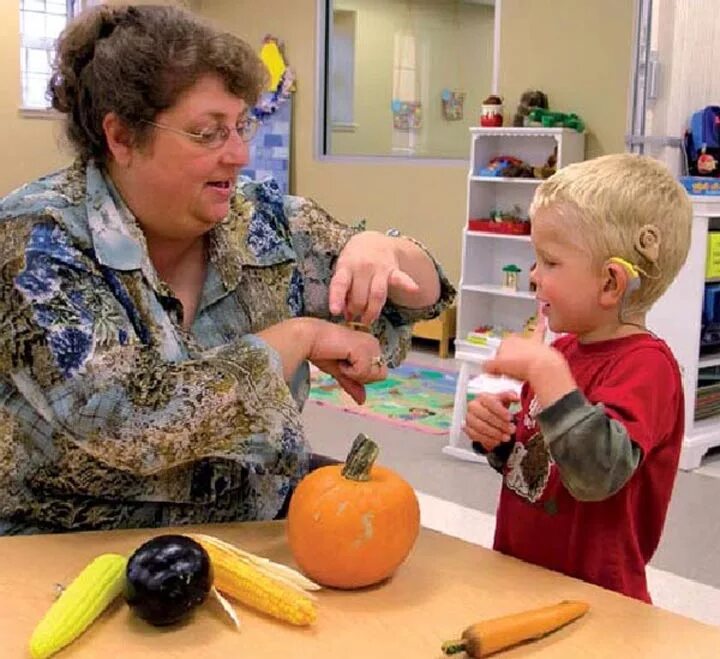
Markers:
(352, 358)
(372, 268)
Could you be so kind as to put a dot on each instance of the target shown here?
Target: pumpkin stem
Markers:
(454, 647)
(360, 459)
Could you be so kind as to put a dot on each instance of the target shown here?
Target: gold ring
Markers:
(378, 361)
(358, 327)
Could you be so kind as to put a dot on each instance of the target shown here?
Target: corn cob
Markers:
(254, 584)
(89, 594)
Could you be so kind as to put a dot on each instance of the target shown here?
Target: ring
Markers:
(378, 361)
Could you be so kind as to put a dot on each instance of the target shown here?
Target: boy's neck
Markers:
(615, 329)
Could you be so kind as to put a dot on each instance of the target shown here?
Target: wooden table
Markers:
(445, 585)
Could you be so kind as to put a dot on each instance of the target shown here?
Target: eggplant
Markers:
(166, 578)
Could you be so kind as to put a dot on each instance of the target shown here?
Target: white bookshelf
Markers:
(676, 317)
(482, 299)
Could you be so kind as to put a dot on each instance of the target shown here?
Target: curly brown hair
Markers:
(136, 61)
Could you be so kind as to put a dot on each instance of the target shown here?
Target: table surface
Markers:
(445, 585)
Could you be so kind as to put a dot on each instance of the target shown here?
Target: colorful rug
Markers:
(412, 396)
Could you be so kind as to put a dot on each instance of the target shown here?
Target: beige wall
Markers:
(545, 43)
(579, 53)
(455, 45)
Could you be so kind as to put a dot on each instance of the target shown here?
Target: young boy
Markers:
(589, 461)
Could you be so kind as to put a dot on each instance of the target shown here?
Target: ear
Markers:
(119, 138)
(617, 282)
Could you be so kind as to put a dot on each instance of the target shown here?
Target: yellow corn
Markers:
(89, 594)
(240, 578)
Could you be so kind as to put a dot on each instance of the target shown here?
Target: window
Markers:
(404, 78)
(342, 71)
(41, 21)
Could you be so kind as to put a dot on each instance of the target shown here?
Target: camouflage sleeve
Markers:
(594, 454)
(318, 240)
(82, 366)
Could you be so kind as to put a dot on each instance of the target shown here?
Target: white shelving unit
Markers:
(482, 299)
(676, 317)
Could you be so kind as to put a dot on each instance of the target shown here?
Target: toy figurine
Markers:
(491, 114)
(706, 164)
(510, 277)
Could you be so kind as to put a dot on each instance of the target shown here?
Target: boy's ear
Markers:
(618, 282)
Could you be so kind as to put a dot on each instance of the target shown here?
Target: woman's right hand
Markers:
(353, 358)
(488, 419)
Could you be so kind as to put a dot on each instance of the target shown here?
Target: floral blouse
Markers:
(112, 415)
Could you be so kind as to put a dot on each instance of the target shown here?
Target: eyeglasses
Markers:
(216, 136)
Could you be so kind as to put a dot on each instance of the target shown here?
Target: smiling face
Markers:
(569, 284)
(177, 188)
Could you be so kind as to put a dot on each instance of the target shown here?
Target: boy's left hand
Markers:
(519, 355)
(529, 359)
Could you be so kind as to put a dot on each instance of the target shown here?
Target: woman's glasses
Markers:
(215, 137)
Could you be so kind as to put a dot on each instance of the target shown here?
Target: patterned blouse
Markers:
(112, 415)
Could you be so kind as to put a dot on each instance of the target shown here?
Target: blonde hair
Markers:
(606, 203)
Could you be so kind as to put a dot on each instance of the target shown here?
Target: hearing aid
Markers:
(633, 272)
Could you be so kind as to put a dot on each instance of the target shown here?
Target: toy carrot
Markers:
(488, 636)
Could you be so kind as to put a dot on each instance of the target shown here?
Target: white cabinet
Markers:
(676, 317)
(482, 298)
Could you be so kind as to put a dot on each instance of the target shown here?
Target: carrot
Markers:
(488, 636)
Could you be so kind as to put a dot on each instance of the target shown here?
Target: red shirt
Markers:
(608, 542)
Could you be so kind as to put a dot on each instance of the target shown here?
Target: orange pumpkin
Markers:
(352, 525)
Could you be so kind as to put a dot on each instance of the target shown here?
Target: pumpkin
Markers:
(352, 525)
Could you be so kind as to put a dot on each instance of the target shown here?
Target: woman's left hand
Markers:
(367, 272)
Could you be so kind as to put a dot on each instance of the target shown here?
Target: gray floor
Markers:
(689, 547)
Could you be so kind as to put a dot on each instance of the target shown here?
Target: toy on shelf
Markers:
(487, 336)
(506, 166)
(550, 119)
(491, 112)
(512, 167)
(510, 277)
(531, 99)
(507, 222)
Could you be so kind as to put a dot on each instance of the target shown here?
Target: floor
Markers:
(459, 498)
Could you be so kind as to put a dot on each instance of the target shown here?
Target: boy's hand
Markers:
(518, 356)
(488, 420)
(530, 360)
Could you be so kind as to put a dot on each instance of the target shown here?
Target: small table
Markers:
(445, 585)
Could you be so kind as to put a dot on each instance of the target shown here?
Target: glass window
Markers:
(405, 77)
(41, 22)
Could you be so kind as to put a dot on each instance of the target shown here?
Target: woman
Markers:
(157, 318)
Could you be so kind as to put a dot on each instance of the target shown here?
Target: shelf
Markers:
(523, 131)
(496, 289)
(507, 179)
(501, 236)
(706, 361)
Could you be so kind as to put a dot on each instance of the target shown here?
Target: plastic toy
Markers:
(548, 119)
(491, 112)
(510, 276)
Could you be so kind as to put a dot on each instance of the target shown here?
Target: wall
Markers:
(551, 49)
(454, 51)
(579, 53)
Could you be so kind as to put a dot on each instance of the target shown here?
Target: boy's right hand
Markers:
(488, 419)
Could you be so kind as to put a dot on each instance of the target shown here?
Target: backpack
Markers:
(702, 142)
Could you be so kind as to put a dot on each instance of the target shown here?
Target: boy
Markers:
(589, 461)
